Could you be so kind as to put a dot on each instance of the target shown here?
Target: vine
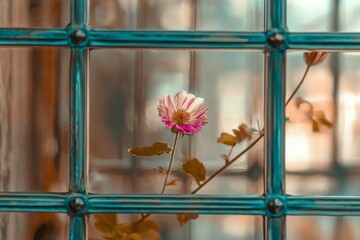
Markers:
(184, 114)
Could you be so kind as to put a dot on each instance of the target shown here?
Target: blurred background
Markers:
(124, 88)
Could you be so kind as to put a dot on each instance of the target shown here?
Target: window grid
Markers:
(274, 205)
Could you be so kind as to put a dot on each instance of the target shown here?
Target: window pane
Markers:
(39, 13)
(210, 227)
(226, 15)
(34, 226)
(322, 228)
(323, 149)
(124, 90)
(34, 115)
(323, 15)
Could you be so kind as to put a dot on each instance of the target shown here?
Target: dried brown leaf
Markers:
(172, 182)
(195, 168)
(242, 133)
(184, 218)
(315, 57)
(158, 148)
(105, 222)
(321, 118)
(227, 139)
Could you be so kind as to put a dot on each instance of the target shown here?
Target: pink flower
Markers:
(183, 112)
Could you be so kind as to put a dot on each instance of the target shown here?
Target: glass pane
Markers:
(34, 115)
(125, 88)
(37, 14)
(34, 226)
(321, 151)
(212, 227)
(323, 15)
(226, 15)
(322, 228)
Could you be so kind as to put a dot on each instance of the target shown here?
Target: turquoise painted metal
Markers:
(274, 205)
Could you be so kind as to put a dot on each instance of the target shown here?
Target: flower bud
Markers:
(314, 58)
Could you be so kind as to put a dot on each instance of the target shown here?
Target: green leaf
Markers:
(158, 148)
(184, 218)
(242, 133)
(227, 139)
(105, 222)
(321, 118)
(195, 168)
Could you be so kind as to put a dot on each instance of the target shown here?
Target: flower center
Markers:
(180, 116)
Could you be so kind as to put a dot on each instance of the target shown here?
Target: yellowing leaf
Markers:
(151, 235)
(121, 230)
(315, 126)
(242, 133)
(105, 222)
(195, 168)
(146, 226)
(172, 182)
(227, 139)
(184, 218)
(321, 118)
(156, 149)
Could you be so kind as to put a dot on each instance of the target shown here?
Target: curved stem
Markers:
(253, 143)
(168, 171)
(170, 163)
(228, 164)
(299, 85)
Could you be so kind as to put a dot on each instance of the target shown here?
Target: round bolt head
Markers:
(275, 205)
(76, 205)
(78, 36)
(276, 40)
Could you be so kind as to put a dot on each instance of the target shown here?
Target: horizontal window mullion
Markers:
(325, 41)
(34, 37)
(178, 39)
(246, 205)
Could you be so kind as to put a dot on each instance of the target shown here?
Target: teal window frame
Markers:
(274, 205)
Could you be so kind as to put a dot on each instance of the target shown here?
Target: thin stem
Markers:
(143, 217)
(253, 143)
(228, 164)
(228, 155)
(170, 163)
(299, 85)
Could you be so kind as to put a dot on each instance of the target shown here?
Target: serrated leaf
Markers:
(146, 226)
(227, 139)
(242, 133)
(315, 126)
(105, 222)
(172, 182)
(321, 118)
(158, 148)
(184, 218)
(195, 168)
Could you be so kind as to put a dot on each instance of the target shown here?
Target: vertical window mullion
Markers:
(78, 113)
(275, 60)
